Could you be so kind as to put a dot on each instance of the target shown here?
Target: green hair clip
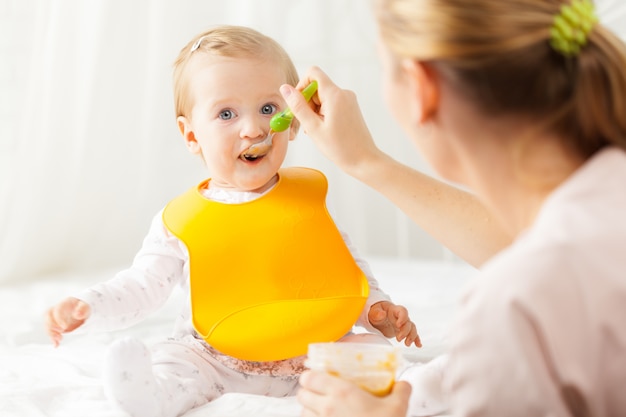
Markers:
(572, 26)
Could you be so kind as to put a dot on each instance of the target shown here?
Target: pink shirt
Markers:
(542, 331)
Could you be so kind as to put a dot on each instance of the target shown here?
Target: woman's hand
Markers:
(393, 320)
(324, 395)
(333, 120)
(65, 317)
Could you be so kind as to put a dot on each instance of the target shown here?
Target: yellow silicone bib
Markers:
(268, 276)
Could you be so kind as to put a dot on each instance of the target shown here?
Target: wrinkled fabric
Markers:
(541, 332)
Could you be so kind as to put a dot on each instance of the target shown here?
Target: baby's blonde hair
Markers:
(497, 53)
(233, 42)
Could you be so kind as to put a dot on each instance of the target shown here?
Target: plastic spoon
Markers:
(279, 123)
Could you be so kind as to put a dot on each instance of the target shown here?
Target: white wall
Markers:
(89, 150)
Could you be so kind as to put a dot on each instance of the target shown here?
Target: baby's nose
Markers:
(254, 129)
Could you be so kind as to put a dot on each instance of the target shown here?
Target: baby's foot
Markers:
(427, 394)
(128, 378)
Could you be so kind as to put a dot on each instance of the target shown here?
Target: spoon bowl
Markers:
(260, 148)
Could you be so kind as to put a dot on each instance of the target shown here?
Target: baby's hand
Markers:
(66, 316)
(393, 320)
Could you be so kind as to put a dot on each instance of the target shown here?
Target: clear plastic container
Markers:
(371, 366)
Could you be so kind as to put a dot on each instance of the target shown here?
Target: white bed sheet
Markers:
(39, 380)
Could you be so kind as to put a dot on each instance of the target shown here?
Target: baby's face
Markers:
(233, 102)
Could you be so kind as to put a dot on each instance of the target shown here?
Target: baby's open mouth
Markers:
(258, 150)
(251, 157)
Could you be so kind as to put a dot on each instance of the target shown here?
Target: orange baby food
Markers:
(371, 367)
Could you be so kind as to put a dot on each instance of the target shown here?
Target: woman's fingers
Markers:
(323, 395)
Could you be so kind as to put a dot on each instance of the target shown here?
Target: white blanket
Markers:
(39, 380)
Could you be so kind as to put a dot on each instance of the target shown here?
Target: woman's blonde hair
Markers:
(228, 41)
(498, 54)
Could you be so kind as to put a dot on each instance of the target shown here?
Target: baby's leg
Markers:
(167, 383)
(428, 396)
(128, 378)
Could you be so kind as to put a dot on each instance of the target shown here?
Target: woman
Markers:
(524, 103)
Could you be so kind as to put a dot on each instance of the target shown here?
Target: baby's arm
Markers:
(379, 313)
(128, 297)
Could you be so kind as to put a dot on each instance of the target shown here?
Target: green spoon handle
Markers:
(282, 120)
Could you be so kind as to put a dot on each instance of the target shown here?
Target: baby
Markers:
(232, 243)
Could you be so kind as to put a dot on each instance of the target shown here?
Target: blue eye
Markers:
(226, 114)
(268, 109)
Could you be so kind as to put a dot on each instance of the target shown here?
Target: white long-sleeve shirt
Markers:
(160, 266)
(542, 331)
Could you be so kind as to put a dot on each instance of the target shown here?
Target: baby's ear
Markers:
(184, 126)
